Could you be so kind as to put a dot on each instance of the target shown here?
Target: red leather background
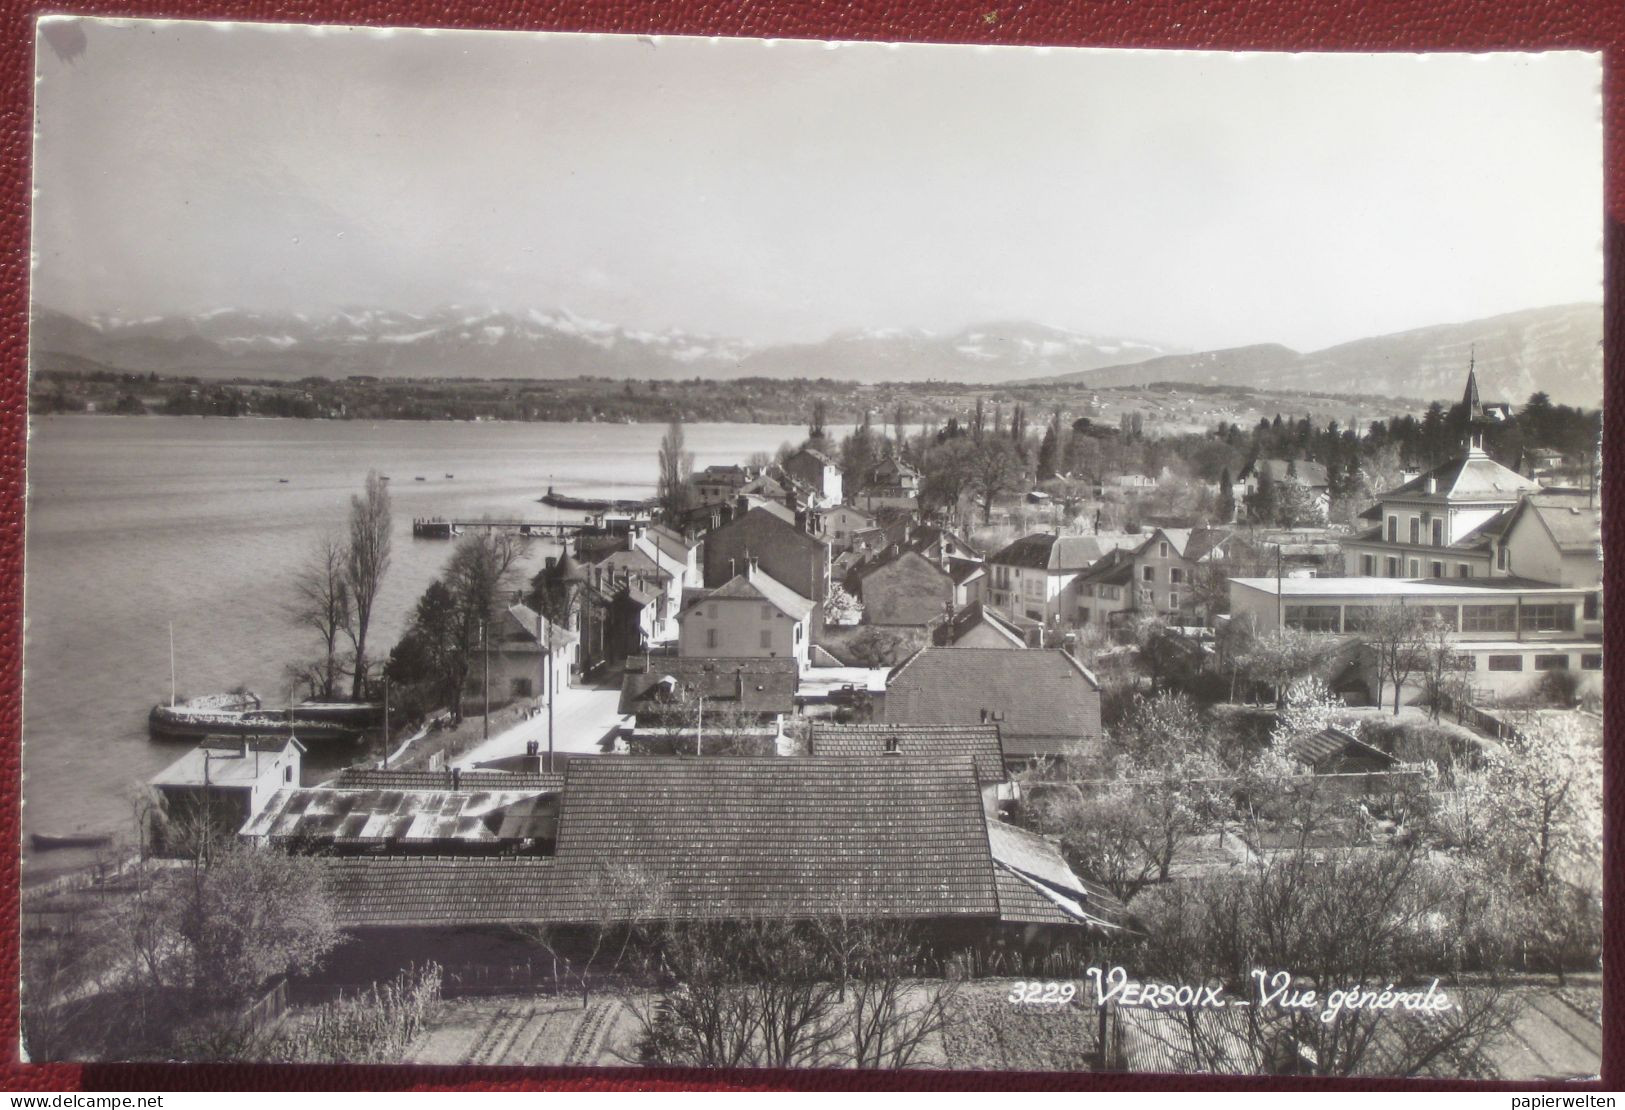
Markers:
(1342, 25)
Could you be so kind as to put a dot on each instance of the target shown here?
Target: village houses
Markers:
(819, 472)
(786, 553)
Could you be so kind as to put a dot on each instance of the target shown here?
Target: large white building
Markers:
(1508, 630)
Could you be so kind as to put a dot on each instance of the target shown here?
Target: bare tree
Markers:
(994, 471)
(1342, 920)
(322, 604)
(893, 1013)
(1396, 637)
(676, 464)
(366, 561)
(1442, 672)
(626, 899)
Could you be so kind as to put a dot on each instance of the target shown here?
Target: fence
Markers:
(1474, 717)
(270, 1007)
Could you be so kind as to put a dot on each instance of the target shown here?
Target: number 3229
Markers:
(1056, 994)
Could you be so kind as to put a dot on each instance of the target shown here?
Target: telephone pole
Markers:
(485, 650)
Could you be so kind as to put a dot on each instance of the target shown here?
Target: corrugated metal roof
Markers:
(324, 813)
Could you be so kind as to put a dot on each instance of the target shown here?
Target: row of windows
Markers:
(1393, 564)
(766, 637)
(1473, 618)
(1590, 661)
(1416, 531)
(1175, 574)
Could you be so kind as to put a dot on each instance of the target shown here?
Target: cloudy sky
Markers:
(786, 191)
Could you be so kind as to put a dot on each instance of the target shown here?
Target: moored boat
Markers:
(44, 842)
(193, 721)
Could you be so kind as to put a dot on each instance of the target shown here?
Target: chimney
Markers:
(892, 747)
(1433, 484)
(752, 567)
(456, 778)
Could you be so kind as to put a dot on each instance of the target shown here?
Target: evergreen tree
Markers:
(1047, 455)
(1261, 502)
(1227, 499)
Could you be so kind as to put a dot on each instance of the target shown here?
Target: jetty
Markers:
(596, 504)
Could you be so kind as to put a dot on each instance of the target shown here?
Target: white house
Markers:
(750, 616)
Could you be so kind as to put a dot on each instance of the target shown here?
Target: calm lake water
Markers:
(136, 522)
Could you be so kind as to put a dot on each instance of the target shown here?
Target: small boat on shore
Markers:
(45, 842)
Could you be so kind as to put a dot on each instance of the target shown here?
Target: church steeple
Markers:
(1476, 419)
(1470, 397)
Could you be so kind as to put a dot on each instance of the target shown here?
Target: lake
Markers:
(137, 523)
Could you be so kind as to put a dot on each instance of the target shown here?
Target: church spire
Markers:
(1474, 405)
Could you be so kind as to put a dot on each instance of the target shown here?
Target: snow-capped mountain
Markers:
(457, 341)
(1556, 349)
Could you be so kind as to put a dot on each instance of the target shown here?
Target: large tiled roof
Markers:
(1574, 529)
(1038, 692)
(1471, 477)
(938, 743)
(758, 586)
(890, 836)
(752, 684)
(382, 891)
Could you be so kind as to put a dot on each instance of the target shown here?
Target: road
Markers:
(583, 720)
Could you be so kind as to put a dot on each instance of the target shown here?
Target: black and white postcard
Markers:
(551, 549)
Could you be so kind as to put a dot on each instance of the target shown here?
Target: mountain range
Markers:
(1556, 349)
